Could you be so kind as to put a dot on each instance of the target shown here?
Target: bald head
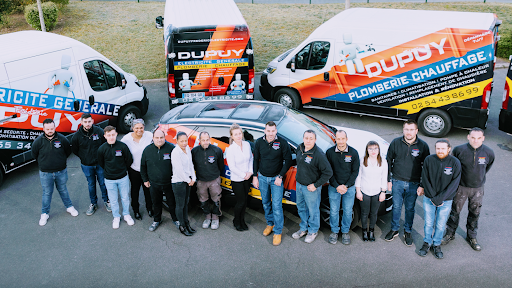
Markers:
(159, 138)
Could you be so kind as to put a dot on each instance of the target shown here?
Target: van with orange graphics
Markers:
(208, 51)
(505, 120)
(435, 67)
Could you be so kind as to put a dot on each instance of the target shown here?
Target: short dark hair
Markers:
(409, 122)
(204, 132)
(109, 128)
(309, 131)
(181, 133)
(47, 121)
(270, 123)
(476, 129)
(85, 116)
(443, 141)
(340, 131)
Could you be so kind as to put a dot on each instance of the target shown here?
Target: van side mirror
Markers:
(159, 22)
(292, 63)
(76, 105)
(123, 81)
(326, 76)
(91, 100)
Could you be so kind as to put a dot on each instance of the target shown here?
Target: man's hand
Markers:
(342, 189)
(278, 181)
(255, 182)
(147, 184)
(390, 186)
(420, 191)
(191, 183)
(311, 188)
(435, 204)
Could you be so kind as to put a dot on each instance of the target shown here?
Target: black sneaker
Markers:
(436, 250)
(424, 249)
(408, 239)
(345, 238)
(333, 238)
(154, 226)
(447, 238)
(391, 235)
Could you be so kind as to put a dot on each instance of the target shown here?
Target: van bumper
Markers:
(144, 102)
(265, 88)
(505, 121)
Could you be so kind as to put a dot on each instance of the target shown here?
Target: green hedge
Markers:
(505, 45)
(50, 15)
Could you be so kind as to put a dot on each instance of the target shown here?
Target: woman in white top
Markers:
(239, 157)
(136, 142)
(183, 178)
(371, 185)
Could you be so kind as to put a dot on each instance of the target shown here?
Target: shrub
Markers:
(50, 15)
(505, 45)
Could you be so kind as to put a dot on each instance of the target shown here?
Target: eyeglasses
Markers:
(373, 149)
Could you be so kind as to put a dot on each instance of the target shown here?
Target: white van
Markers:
(45, 75)
(435, 67)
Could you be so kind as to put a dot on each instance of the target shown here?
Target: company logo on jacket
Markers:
(308, 159)
(57, 144)
(119, 153)
(348, 158)
(211, 159)
(276, 145)
(95, 137)
(448, 170)
(167, 156)
(415, 152)
(481, 160)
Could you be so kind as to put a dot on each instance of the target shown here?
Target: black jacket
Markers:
(405, 160)
(272, 159)
(114, 159)
(345, 166)
(208, 163)
(85, 144)
(51, 155)
(312, 167)
(440, 178)
(475, 164)
(155, 164)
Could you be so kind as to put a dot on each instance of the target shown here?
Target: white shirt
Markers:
(373, 179)
(182, 166)
(137, 148)
(239, 162)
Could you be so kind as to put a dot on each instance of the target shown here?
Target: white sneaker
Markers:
(129, 220)
(71, 210)
(44, 219)
(215, 224)
(115, 223)
(206, 223)
(299, 234)
(310, 237)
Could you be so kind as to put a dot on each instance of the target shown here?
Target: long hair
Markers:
(231, 129)
(366, 155)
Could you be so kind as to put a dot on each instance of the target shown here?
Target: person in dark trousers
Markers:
(405, 161)
(371, 184)
(313, 171)
(208, 161)
(440, 178)
(115, 158)
(344, 161)
(156, 172)
(272, 159)
(240, 162)
(476, 160)
(183, 178)
(51, 150)
(85, 144)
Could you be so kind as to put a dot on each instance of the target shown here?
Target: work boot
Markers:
(447, 238)
(276, 241)
(268, 230)
(474, 244)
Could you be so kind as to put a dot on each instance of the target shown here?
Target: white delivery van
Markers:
(208, 51)
(435, 67)
(45, 75)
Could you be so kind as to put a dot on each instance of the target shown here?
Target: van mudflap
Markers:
(465, 117)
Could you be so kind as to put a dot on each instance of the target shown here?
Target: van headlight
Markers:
(270, 69)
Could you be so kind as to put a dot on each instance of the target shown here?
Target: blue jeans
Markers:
(58, 179)
(438, 216)
(121, 186)
(308, 205)
(272, 202)
(403, 193)
(348, 205)
(92, 173)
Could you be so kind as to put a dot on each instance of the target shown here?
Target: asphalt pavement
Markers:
(85, 251)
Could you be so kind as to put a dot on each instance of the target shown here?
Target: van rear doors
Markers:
(505, 120)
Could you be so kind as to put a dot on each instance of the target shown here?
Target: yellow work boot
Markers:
(268, 230)
(277, 239)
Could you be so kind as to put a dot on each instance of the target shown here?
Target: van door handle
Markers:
(221, 81)
(326, 76)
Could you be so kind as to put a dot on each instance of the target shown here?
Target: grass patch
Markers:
(125, 32)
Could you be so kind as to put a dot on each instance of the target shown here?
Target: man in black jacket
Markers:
(313, 171)
(209, 165)
(156, 173)
(476, 160)
(405, 160)
(85, 144)
(115, 158)
(344, 162)
(440, 178)
(272, 159)
(51, 150)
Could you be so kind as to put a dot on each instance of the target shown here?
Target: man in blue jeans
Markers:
(51, 150)
(344, 162)
(313, 171)
(440, 178)
(272, 159)
(405, 161)
(85, 144)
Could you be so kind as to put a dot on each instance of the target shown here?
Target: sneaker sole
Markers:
(392, 238)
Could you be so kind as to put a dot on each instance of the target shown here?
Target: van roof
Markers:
(194, 13)
(402, 20)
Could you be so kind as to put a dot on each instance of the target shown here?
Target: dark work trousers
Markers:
(475, 197)
(136, 182)
(369, 207)
(157, 192)
(182, 195)
(241, 190)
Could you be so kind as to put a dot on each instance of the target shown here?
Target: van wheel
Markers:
(434, 123)
(126, 117)
(288, 97)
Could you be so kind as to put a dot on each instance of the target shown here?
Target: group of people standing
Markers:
(146, 159)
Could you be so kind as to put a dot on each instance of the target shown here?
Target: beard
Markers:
(442, 156)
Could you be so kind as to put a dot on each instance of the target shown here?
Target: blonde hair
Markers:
(231, 129)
